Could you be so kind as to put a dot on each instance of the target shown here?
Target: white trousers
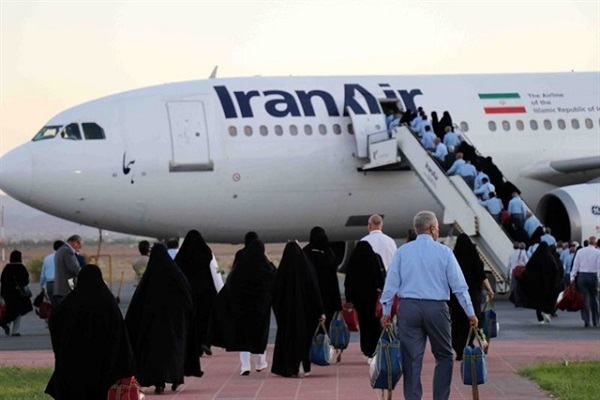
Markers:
(260, 361)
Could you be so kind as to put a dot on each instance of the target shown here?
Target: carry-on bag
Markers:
(322, 351)
(339, 334)
(385, 368)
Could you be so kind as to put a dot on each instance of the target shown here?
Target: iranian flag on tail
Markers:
(502, 103)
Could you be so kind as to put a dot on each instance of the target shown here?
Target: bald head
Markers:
(375, 222)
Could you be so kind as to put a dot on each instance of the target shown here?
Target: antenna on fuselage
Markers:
(213, 74)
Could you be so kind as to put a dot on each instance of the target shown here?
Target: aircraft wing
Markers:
(565, 172)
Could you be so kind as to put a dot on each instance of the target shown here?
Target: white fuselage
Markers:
(226, 160)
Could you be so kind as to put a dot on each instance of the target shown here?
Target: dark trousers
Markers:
(587, 283)
(417, 321)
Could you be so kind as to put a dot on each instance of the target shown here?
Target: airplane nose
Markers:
(16, 173)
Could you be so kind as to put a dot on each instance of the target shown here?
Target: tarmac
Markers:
(521, 342)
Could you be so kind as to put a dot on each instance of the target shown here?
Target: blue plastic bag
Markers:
(488, 320)
(473, 367)
(339, 334)
(385, 369)
(321, 350)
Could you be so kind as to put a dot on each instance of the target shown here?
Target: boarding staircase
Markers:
(461, 207)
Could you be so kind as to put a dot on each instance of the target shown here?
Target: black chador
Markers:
(365, 277)
(319, 253)
(90, 342)
(297, 306)
(242, 312)
(159, 320)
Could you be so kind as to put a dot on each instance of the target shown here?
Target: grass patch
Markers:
(567, 381)
(20, 383)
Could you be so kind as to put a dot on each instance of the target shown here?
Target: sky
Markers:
(57, 54)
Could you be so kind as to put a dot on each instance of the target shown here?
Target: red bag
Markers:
(517, 271)
(350, 317)
(570, 299)
(124, 389)
(45, 309)
(379, 307)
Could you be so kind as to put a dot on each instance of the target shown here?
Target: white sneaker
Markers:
(542, 322)
(547, 318)
(369, 360)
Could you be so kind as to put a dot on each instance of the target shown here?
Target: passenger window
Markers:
(93, 131)
(322, 129)
(248, 130)
(263, 130)
(337, 129)
(562, 124)
(232, 131)
(71, 132)
(533, 124)
(350, 129)
(278, 130)
(589, 123)
(293, 130)
(575, 123)
(492, 126)
(47, 132)
(308, 130)
(547, 124)
(506, 125)
(464, 126)
(520, 125)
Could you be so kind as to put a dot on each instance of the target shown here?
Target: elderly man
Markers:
(423, 273)
(66, 267)
(586, 269)
(381, 243)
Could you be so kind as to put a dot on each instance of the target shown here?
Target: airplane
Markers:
(279, 155)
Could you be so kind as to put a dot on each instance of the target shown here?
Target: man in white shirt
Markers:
(586, 269)
(381, 243)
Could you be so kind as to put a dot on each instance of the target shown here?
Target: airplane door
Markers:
(189, 137)
(364, 125)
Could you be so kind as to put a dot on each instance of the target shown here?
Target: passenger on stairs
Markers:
(531, 224)
(446, 119)
(459, 162)
(451, 138)
(450, 158)
(428, 138)
(516, 208)
(485, 189)
(438, 129)
(479, 177)
(468, 173)
(441, 151)
(493, 205)
(547, 237)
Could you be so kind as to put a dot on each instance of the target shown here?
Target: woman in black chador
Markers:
(539, 285)
(365, 278)
(297, 306)
(472, 268)
(90, 342)
(196, 261)
(242, 313)
(159, 320)
(322, 258)
(14, 274)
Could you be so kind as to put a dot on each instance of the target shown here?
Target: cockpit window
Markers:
(71, 132)
(47, 132)
(93, 131)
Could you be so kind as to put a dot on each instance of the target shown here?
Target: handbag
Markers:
(570, 299)
(385, 368)
(321, 350)
(517, 271)
(488, 320)
(473, 367)
(379, 306)
(125, 389)
(24, 291)
(339, 334)
(351, 318)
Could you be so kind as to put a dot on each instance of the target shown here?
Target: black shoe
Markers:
(174, 386)
(159, 390)
(16, 334)
(206, 349)
(245, 373)
(6, 330)
(586, 325)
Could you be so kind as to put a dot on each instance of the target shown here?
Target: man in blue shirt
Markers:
(516, 209)
(47, 274)
(422, 274)
(494, 206)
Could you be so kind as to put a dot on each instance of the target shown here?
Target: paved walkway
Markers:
(349, 379)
